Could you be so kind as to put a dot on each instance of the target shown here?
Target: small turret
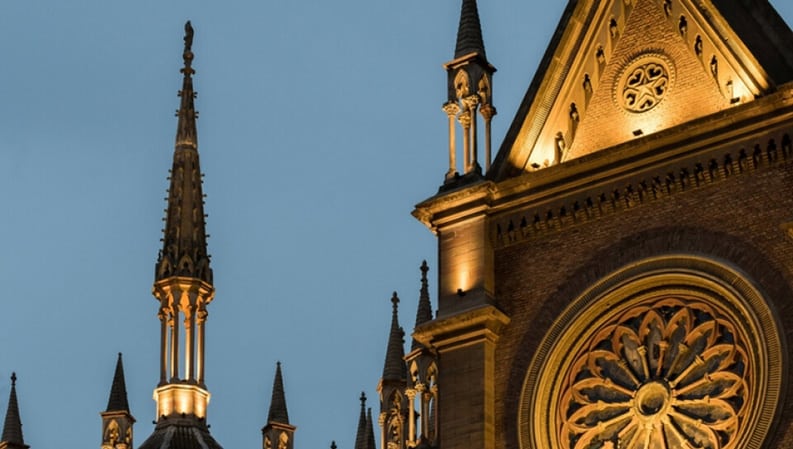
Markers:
(12, 429)
(393, 403)
(278, 433)
(117, 421)
(469, 88)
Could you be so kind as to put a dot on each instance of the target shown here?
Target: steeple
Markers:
(117, 421)
(469, 88)
(394, 367)
(184, 250)
(183, 288)
(469, 33)
(12, 429)
(360, 436)
(278, 433)
(393, 403)
(424, 311)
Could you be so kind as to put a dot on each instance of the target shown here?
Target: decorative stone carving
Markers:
(643, 84)
(665, 374)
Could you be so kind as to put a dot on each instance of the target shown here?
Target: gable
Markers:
(619, 70)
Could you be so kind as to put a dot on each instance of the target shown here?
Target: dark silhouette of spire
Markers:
(118, 391)
(278, 413)
(424, 311)
(369, 430)
(394, 368)
(469, 33)
(360, 436)
(184, 251)
(12, 429)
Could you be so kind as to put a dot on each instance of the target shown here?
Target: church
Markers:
(618, 274)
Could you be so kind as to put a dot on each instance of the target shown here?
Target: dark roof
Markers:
(182, 435)
(370, 430)
(184, 250)
(12, 429)
(394, 367)
(118, 391)
(360, 435)
(278, 413)
(469, 33)
(424, 311)
(764, 32)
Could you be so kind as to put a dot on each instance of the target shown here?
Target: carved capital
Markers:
(487, 111)
(451, 109)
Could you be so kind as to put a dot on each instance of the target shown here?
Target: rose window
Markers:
(644, 84)
(664, 374)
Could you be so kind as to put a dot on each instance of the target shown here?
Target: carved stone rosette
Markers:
(673, 352)
(668, 373)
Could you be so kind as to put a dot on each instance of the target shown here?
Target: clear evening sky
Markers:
(320, 127)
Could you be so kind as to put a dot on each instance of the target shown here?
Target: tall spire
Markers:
(394, 367)
(12, 429)
(118, 391)
(184, 250)
(360, 436)
(424, 311)
(278, 413)
(469, 33)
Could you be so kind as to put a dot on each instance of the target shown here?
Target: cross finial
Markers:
(13, 379)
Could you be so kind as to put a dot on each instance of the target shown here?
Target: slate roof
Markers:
(181, 435)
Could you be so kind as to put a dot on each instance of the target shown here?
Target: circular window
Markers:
(657, 356)
(644, 83)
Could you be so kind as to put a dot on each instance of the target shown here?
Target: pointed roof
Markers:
(118, 391)
(278, 413)
(424, 311)
(12, 429)
(469, 33)
(184, 250)
(370, 444)
(715, 55)
(394, 367)
(360, 435)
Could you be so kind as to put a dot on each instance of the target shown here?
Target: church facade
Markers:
(618, 275)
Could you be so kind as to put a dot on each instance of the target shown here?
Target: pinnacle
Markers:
(118, 391)
(360, 436)
(394, 368)
(12, 429)
(278, 412)
(469, 33)
(424, 312)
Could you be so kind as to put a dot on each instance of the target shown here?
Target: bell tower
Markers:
(183, 278)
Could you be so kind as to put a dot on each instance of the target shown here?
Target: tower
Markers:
(12, 428)
(117, 421)
(469, 86)
(278, 433)
(183, 288)
(422, 388)
(393, 402)
(620, 276)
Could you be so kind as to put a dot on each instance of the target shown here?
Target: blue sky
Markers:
(320, 127)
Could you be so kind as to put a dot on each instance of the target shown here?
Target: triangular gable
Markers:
(621, 69)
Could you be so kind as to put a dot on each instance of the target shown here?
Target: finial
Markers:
(13, 379)
(395, 300)
(424, 269)
(333, 444)
(363, 399)
(188, 49)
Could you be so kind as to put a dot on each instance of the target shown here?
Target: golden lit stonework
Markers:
(643, 84)
(670, 352)
(668, 373)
